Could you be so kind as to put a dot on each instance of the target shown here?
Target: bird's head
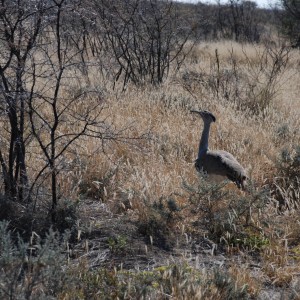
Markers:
(205, 115)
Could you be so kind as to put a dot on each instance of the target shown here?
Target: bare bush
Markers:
(239, 20)
(146, 37)
(290, 20)
(44, 110)
(251, 85)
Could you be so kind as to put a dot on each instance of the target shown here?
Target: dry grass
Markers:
(129, 176)
(157, 169)
(168, 157)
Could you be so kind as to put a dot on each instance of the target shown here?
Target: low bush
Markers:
(287, 181)
(34, 270)
(171, 281)
(228, 217)
(158, 221)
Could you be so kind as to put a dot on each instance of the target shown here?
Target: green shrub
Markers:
(157, 222)
(171, 281)
(117, 244)
(34, 270)
(228, 217)
(66, 215)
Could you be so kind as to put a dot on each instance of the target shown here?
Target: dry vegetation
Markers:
(143, 224)
(149, 226)
(146, 183)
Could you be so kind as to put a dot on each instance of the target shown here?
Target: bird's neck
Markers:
(203, 145)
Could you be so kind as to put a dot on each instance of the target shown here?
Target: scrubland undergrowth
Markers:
(147, 225)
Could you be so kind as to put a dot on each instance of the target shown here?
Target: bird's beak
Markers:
(196, 111)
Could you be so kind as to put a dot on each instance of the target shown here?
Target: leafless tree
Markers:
(40, 107)
(20, 26)
(239, 20)
(290, 20)
(146, 37)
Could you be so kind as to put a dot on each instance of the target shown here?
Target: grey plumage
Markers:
(217, 164)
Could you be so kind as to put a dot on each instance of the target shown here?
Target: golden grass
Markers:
(140, 171)
(167, 158)
(157, 166)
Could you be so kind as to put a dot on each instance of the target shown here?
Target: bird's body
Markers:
(221, 165)
(218, 164)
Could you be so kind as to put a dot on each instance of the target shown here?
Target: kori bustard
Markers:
(217, 164)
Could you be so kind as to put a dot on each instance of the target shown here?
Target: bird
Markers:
(217, 164)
